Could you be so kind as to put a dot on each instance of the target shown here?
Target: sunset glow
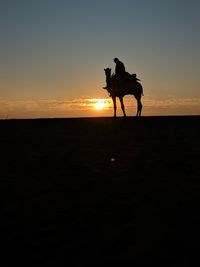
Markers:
(101, 104)
(81, 107)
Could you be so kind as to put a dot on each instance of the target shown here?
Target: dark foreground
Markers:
(79, 192)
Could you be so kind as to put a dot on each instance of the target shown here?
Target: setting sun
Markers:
(100, 104)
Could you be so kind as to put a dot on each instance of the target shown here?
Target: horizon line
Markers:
(100, 117)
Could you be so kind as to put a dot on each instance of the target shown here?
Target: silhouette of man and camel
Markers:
(123, 83)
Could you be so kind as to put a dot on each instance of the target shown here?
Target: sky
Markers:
(53, 54)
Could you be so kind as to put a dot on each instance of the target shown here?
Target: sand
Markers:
(96, 191)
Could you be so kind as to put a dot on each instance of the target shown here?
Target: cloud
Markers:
(172, 106)
(48, 108)
(86, 107)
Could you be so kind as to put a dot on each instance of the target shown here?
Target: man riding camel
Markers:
(120, 73)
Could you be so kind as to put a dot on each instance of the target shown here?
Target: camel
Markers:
(128, 86)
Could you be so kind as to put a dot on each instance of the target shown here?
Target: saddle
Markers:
(127, 76)
(131, 76)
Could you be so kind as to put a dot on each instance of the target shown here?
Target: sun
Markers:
(100, 104)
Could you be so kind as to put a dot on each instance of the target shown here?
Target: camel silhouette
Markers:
(127, 86)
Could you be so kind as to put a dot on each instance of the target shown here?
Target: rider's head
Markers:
(116, 60)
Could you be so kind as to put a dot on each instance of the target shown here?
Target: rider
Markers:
(120, 72)
(119, 68)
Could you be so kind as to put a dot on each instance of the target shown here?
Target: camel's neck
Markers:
(108, 77)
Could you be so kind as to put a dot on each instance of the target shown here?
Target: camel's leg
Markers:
(122, 105)
(115, 106)
(139, 108)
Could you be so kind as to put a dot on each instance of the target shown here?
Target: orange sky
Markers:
(95, 107)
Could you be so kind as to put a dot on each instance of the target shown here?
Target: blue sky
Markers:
(56, 50)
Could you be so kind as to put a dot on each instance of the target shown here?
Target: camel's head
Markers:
(108, 72)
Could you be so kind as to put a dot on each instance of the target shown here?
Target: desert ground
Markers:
(96, 191)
